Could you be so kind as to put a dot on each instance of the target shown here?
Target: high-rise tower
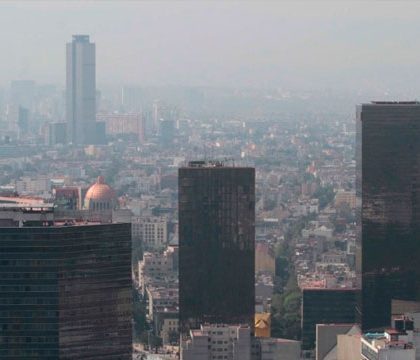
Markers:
(81, 91)
(65, 287)
(216, 244)
(388, 183)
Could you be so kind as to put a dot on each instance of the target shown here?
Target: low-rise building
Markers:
(390, 345)
(159, 269)
(151, 232)
(228, 342)
(277, 349)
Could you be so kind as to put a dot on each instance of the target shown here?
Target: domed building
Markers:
(100, 196)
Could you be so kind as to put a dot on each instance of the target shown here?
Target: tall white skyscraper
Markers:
(81, 91)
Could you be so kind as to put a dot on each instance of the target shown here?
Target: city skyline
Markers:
(314, 46)
(199, 186)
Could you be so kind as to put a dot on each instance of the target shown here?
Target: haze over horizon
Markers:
(346, 45)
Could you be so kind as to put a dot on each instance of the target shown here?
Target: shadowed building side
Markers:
(217, 246)
(65, 290)
(388, 182)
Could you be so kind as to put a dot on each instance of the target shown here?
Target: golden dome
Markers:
(100, 191)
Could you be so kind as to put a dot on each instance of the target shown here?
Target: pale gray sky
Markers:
(234, 43)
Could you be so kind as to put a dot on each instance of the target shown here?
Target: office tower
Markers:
(388, 175)
(56, 133)
(80, 91)
(216, 244)
(150, 232)
(65, 287)
(325, 306)
(166, 132)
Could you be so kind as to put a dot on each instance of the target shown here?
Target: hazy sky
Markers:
(257, 44)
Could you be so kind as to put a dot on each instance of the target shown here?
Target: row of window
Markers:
(30, 327)
(29, 314)
(23, 288)
(27, 339)
(29, 301)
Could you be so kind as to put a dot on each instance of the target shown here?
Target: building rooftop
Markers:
(81, 38)
(100, 191)
(209, 163)
(415, 102)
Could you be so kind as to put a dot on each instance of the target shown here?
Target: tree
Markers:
(173, 337)
(155, 342)
(325, 195)
(139, 316)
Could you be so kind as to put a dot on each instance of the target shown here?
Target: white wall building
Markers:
(158, 268)
(279, 349)
(169, 326)
(32, 186)
(391, 346)
(151, 231)
(218, 342)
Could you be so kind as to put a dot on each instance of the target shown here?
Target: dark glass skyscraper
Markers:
(216, 244)
(388, 181)
(325, 306)
(65, 291)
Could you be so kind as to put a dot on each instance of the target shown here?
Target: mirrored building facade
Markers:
(216, 244)
(65, 290)
(388, 183)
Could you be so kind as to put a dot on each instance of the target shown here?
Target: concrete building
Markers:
(68, 198)
(348, 347)
(159, 269)
(325, 306)
(390, 345)
(33, 186)
(160, 298)
(151, 232)
(170, 330)
(327, 338)
(276, 349)
(81, 91)
(218, 342)
(129, 124)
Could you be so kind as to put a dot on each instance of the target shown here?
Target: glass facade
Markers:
(388, 184)
(217, 242)
(325, 306)
(65, 292)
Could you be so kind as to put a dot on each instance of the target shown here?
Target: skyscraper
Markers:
(65, 287)
(216, 244)
(388, 182)
(81, 91)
